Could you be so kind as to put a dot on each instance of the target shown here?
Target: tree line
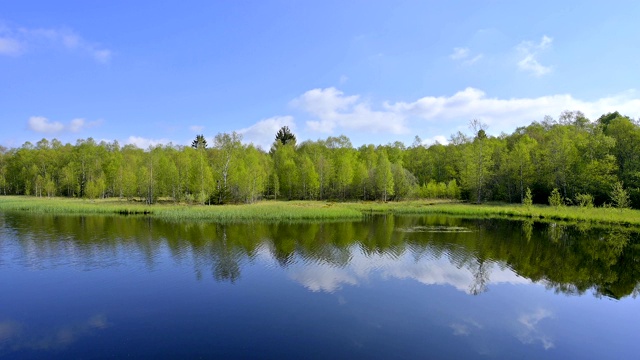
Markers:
(577, 160)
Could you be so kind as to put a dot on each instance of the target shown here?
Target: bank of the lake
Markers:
(315, 210)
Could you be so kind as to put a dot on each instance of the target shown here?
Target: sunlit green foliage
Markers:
(555, 199)
(619, 196)
(528, 198)
(584, 200)
(384, 177)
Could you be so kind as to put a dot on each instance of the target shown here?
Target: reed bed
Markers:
(536, 212)
(315, 210)
(267, 210)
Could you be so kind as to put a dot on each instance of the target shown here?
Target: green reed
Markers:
(314, 210)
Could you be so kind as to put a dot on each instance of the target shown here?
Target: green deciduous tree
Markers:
(286, 169)
(476, 162)
(309, 180)
(228, 147)
(522, 166)
(528, 198)
(404, 183)
(584, 200)
(555, 199)
(626, 149)
(453, 191)
(383, 176)
(620, 196)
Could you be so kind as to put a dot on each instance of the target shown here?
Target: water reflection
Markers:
(469, 255)
(472, 278)
(464, 328)
(17, 336)
(531, 330)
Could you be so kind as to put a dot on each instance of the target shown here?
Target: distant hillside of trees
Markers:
(580, 158)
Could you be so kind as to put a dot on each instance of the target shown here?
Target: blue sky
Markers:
(376, 71)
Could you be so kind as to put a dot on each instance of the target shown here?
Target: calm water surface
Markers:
(386, 287)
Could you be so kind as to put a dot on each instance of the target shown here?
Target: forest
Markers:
(572, 160)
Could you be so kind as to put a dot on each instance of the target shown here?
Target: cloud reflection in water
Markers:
(13, 337)
(428, 270)
(531, 332)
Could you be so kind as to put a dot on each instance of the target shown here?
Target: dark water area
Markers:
(387, 287)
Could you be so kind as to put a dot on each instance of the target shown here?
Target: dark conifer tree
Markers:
(199, 143)
(285, 136)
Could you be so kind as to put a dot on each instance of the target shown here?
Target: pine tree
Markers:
(199, 143)
(285, 136)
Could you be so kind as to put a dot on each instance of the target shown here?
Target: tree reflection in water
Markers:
(570, 259)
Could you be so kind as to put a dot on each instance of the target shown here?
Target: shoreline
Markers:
(269, 210)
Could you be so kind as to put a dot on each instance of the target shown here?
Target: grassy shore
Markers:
(315, 210)
(537, 212)
(266, 210)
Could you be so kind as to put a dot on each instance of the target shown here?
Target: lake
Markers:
(385, 287)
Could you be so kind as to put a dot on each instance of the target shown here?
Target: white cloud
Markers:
(529, 63)
(144, 143)
(459, 53)
(440, 139)
(343, 79)
(546, 42)
(15, 41)
(336, 111)
(529, 56)
(196, 128)
(69, 40)
(41, 124)
(77, 125)
(101, 55)
(9, 46)
(507, 114)
(324, 102)
(264, 131)
(474, 59)
(463, 55)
